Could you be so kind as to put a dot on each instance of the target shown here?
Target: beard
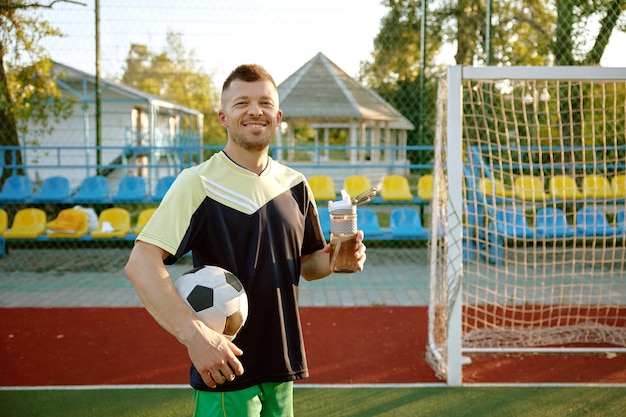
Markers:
(252, 144)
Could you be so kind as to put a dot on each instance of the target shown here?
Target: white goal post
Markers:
(528, 216)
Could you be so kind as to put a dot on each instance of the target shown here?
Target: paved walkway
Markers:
(95, 278)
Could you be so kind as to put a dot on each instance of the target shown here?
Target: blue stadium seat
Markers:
(509, 223)
(367, 221)
(16, 188)
(92, 190)
(551, 223)
(131, 189)
(407, 223)
(592, 222)
(162, 186)
(54, 189)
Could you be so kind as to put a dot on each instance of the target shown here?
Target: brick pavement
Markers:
(95, 278)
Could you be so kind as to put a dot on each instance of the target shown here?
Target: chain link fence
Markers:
(115, 90)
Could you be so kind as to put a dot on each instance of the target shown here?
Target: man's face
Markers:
(250, 113)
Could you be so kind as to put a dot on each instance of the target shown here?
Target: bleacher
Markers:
(25, 220)
(552, 208)
(552, 205)
(64, 181)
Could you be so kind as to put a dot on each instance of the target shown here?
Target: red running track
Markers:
(360, 345)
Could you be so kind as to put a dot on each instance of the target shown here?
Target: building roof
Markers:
(321, 92)
(68, 74)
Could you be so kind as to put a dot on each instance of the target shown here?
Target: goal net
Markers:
(528, 248)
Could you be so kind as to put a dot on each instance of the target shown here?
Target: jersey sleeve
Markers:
(169, 223)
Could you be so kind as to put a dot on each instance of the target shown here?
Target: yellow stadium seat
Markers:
(529, 187)
(27, 224)
(323, 187)
(143, 218)
(69, 223)
(356, 184)
(618, 183)
(112, 222)
(597, 187)
(425, 187)
(494, 188)
(564, 187)
(4, 221)
(396, 187)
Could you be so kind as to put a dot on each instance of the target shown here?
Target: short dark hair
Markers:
(248, 73)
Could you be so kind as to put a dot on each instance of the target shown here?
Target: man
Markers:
(246, 213)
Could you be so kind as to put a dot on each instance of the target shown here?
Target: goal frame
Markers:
(451, 368)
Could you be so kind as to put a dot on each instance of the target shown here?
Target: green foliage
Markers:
(583, 29)
(28, 92)
(175, 75)
(529, 32)
(34, 96)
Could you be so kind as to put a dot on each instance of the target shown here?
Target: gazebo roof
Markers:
(322, 93)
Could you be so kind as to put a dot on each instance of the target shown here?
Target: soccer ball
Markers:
(217, 296)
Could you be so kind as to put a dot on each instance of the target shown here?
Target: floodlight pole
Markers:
(488, 34)
(422, 75)
(98, 94)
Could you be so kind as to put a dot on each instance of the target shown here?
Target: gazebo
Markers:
(322, 96)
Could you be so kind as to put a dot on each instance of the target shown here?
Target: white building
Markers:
(136, 129)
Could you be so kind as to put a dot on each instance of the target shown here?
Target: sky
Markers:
(281, 35)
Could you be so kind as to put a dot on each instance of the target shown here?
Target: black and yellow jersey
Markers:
(258, 227)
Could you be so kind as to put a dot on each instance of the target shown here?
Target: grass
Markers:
(333, 402)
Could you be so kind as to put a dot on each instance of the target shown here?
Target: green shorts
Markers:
(264, 400)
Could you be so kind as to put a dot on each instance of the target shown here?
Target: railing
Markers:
(82, 159)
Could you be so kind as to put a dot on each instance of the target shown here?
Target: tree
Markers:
(575, 18)
(174, 75)
(28, 92)
(523, 32)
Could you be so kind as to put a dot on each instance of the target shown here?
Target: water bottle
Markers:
(343, 227)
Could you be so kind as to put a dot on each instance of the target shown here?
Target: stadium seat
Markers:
(323, 188)
(162, 186)
(564, 187)
(508, 223)
(396, 187)
(143, 218)
(356, 184)
(4, 221)
(131, 188)
(591, 221)
(92, 190)
(112, 222)
(54, 189)
(425, 187)
(597, 187)
(551, 223)
(69, 223)
(27, 224)
(324, 217)
(367, 221)
(407, 223)
(512, 223)
(529, 187)
(16, 188)
(618, 183)
(494, 188)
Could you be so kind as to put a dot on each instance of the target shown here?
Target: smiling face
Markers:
(250, 113)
